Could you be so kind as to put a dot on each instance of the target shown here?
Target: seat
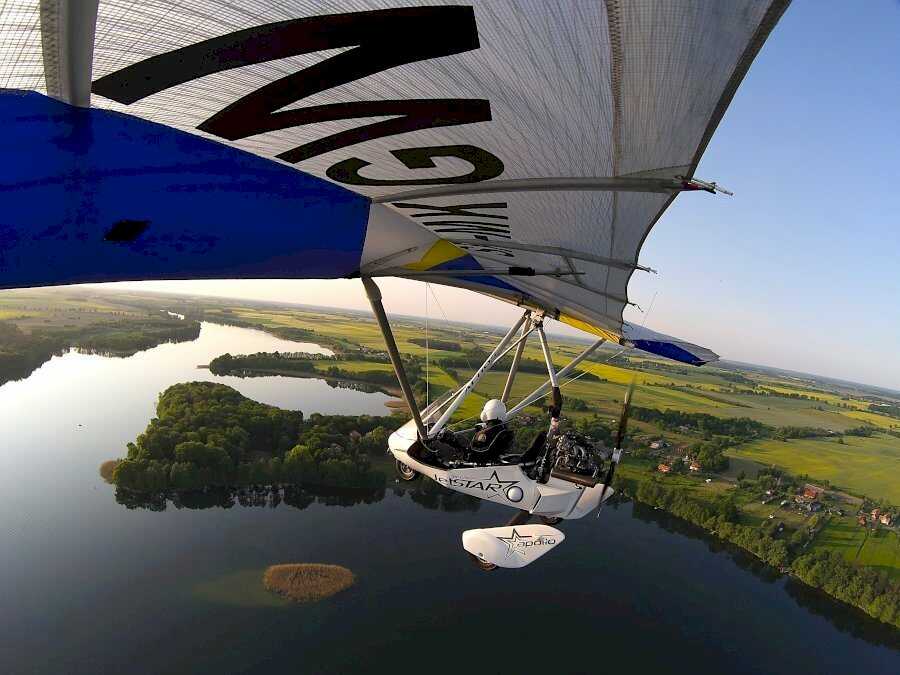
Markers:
(530, 455)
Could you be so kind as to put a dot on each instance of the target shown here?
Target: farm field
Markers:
(879, 549)
(868, 466)
(843, 535)
(882, 551)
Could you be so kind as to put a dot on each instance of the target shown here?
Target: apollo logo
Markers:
(518, 544)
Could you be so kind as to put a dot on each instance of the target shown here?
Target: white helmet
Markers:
(495, 409)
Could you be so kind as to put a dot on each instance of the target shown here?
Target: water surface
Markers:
(90, 586)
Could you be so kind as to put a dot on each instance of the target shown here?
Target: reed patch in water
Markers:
(307, 582)
(107, 468)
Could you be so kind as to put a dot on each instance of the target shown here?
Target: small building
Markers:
(664, 468)
(695, 466)
(876, 514)
(886, 518)
(812, 492)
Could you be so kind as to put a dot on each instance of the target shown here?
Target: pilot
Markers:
(492, 439)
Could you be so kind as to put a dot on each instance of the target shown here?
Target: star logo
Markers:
(513, 542)
(495, 485)
(495, 480)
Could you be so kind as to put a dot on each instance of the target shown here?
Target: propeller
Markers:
(617, 448)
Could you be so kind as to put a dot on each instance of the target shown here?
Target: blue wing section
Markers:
(665, 345)
(94, 195)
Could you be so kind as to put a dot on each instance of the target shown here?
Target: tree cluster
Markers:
(21, 353)
(226, 364)
(872, 591)
(442, 345)
(208, 434)
(891, 410)
(719, 517)
(742, 428)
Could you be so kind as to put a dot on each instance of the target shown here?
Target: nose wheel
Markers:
(483, 565)
(550, 520)
(406, 473)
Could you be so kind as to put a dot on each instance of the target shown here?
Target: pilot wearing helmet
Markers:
(492, 439)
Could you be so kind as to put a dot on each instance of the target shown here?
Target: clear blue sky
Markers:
(801, 268)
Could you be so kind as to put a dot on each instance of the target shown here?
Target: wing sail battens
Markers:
(544, 136)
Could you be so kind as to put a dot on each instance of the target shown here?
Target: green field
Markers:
(857, 544)
(865, 466)
(882, 551)
(843, 535)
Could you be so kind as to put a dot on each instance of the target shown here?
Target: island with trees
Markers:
(207, 434)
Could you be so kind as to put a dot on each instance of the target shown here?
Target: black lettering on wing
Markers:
(459, 210)
(381, 39)
(485, 166)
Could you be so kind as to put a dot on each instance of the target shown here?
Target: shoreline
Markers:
(782, 570)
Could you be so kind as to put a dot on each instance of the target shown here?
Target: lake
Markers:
(88, 585)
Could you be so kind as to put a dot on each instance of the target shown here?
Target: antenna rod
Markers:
(374, 295)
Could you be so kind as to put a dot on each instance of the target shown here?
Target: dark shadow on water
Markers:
(426, 494)
(353, 385)
(259, 496)
(435, 497)
(845, 618)
(739, 556)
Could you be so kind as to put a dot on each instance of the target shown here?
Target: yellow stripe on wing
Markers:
(442, 251)
(588, 328)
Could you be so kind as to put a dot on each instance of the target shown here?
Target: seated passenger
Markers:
(492, 438)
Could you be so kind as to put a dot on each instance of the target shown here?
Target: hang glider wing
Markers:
(518, 149)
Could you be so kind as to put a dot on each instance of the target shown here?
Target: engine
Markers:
(576, 459)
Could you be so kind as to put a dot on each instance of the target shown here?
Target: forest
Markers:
(207, 434)
(21, 352)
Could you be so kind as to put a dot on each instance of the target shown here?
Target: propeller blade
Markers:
(617, 449)
(623, 419)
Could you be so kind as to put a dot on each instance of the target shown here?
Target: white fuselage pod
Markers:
(512, 546)
(503, 483)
